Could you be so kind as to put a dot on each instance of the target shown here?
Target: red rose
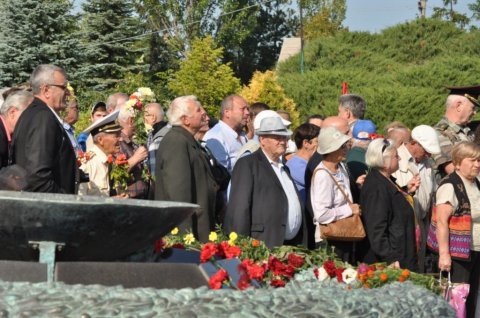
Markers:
(138, 104)
(339, 272)
(208, 251)
(217, 279)
(295, 260)
(159, 245)
(315, 271)
(329, 268)
(277, 283)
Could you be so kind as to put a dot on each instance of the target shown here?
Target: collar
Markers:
(228, 130)
(278, 164)
(9, 136)
(100, 154)
(68, 127)
(56, 115)
(456, 127)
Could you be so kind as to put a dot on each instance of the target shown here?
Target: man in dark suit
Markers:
(182, 171)
(264, 202)
(40, 144)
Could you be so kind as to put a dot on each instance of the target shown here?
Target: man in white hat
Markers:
(95, 163)
(264, 202)
(415, 166)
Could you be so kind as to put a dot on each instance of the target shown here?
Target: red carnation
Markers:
(208, 251)
(138, 104)
(121, 159)
(277, 267)
(109, 159)
(329, 268)
(159, 245)
(244, 281)
(217, 279)
(315, 271)
(277, 283)
(339, 272)
(295, 260)
(232, 251)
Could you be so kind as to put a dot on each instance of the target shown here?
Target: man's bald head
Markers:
(338, 122)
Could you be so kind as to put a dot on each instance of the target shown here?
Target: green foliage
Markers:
(401, 72)
(32, 33)
(105, 28)
(202, 74)
(323, 18)
(449, 14)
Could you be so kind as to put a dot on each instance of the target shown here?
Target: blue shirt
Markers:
(297, 166)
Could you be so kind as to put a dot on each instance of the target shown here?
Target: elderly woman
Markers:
(387, 211)
(330, 192)
(458, 220)
(306, 140)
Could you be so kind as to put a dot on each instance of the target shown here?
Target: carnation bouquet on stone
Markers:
(135, 105)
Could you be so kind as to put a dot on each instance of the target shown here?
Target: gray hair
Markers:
(227, 103)
(157, 109)
(125, 114)
(43, 74)
(374, 157)
(19, 99)
(354, 103)
(179, 108)
(112, 101)
(452, 100)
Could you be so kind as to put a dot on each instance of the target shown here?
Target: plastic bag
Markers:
(456, 295)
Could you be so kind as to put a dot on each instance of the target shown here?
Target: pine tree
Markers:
(107, 29)
(35, 32)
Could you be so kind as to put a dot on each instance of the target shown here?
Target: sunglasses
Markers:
(386, 143)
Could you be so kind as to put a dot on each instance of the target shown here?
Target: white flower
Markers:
(322, 274)
(130, 103)
(145, 93)
(349, 275)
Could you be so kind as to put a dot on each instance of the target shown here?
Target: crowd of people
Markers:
(416, 191)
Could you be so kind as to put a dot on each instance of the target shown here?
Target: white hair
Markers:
(19, 99)
(43, 74)
(125, 114)
(179, 108)
(376, 153)
(157, 109)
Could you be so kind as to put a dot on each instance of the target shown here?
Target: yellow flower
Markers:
(174, 231)
(71, 91)
(233, 236)
(213, 236)
(189, 238)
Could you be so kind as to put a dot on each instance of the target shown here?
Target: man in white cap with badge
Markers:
(106, 137)
(264, 202)
(415, 166)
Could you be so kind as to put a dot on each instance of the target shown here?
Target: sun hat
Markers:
(330, 140)
(267, 113)
(427, 137)
(273, 126)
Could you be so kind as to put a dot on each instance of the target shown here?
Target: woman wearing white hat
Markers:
(330, 192)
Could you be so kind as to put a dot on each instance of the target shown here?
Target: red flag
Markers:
(344, 88)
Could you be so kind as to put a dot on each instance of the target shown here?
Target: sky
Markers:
(376, 15)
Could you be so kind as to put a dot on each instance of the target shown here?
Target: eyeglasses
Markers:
(62, 87)
(386, 144)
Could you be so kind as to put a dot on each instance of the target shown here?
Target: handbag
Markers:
(456, 295)
(347, 229)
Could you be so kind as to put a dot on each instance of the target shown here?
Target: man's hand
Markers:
(138, 156)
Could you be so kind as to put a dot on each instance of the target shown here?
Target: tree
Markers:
(447, 13)
(323, 18)
(203, 74)
(35, 32)
(264, 88)
(107, 28)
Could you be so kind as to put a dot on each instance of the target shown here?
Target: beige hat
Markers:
(427, 137)
(330, 140)
(267, 113)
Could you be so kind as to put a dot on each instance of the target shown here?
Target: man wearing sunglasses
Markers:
(461, 106)
(40, 144)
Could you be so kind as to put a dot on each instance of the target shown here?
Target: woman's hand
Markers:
(355, 209)
(445, 262)
(360, 180)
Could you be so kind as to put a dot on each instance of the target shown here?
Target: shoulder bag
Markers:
(347, 229)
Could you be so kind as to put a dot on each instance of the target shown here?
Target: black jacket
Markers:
(41, 146)
(389, 223)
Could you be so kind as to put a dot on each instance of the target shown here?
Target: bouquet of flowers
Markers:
(119, 173)
(134, 105)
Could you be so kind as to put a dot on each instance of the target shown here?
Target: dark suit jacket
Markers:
(3, 146)
(183, 174)
(258, 205)
(389, 223)
(42, 147)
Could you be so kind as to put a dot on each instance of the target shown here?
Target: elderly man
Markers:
(40, 143)
(351, 108)
(153, 116)
(106, 137)
(98, 111)
(137, 187)
(264, 202)
(182, 169)
(71, 117)
(452, 128)
(415, 167)
(115, 101)
(226, 138)
(10, 111)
